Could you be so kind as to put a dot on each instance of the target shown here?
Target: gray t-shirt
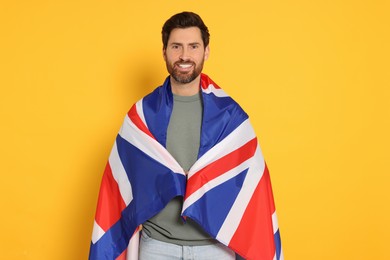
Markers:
(183, 140)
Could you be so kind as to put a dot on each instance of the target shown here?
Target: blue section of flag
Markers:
(278, 244)
(223, 116)
(213, 207)
(157, 108)
(146, 175)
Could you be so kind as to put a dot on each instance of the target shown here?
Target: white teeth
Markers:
(184, 66)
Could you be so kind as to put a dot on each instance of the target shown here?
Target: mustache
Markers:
(184, 62)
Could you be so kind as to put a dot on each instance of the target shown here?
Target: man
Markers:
(184, 51)
(187, 166)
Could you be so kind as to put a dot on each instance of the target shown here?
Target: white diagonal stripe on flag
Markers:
(240, 136)
(215, 182)
(251, 181)
(120, 176)
(97, 232)
(140, 111)
(275, 222)
(148, 145)
(133, 247)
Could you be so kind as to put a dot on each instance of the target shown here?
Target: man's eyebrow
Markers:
(178, 43)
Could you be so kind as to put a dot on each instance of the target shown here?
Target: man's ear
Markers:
(164, 54)
(206, 52)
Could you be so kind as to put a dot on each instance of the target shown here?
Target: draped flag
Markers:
(227, 191)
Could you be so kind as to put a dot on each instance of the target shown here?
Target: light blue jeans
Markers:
(152, 249)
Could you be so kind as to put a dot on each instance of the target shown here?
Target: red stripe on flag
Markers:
(220, 166)
(122, 256)
(254, 237)
(110, 203)
(205, 81)
(135, 118)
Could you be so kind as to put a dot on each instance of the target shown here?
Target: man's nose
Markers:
(184, 55)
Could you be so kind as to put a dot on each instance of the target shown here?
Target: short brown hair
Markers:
(185, 20)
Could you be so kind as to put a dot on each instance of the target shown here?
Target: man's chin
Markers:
(184, 79)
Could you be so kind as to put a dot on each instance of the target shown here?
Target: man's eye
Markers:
(194, 46)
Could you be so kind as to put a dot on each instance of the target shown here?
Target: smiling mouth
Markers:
(185, 66)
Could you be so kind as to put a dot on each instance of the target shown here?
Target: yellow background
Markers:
(313, 76)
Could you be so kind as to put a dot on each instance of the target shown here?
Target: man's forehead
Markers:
(186, 35)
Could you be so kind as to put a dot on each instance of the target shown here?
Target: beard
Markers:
(186, 77)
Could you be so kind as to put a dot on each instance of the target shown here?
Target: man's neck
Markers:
(188, 89)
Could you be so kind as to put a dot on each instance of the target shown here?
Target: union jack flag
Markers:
(227, 191)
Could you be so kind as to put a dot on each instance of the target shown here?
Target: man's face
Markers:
(185, 54)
